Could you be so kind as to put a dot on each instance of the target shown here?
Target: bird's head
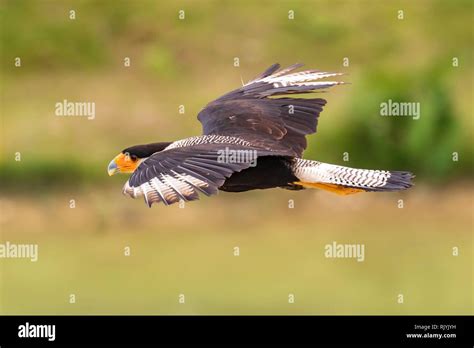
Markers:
(129, 159)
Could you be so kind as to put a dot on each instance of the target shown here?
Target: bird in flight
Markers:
(251, 139)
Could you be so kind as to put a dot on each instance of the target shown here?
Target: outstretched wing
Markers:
(270, 123)
(180, 173)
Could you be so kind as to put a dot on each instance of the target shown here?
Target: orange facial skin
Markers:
(123, 163)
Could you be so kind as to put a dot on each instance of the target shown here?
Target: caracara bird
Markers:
(251, 140)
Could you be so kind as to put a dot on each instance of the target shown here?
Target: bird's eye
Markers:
(133, 157)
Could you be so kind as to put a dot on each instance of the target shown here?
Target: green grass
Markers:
(190, 251)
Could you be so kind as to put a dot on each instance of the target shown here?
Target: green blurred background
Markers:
(190, 250)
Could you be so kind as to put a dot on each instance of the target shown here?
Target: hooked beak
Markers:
(123, 163)
(113, 167)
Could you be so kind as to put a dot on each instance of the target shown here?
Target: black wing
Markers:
(180, 173)
(280, 124)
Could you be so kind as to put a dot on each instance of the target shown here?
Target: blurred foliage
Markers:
(425, 145)
(46, 174)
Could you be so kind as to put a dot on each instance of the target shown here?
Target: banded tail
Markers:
(345, 180)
